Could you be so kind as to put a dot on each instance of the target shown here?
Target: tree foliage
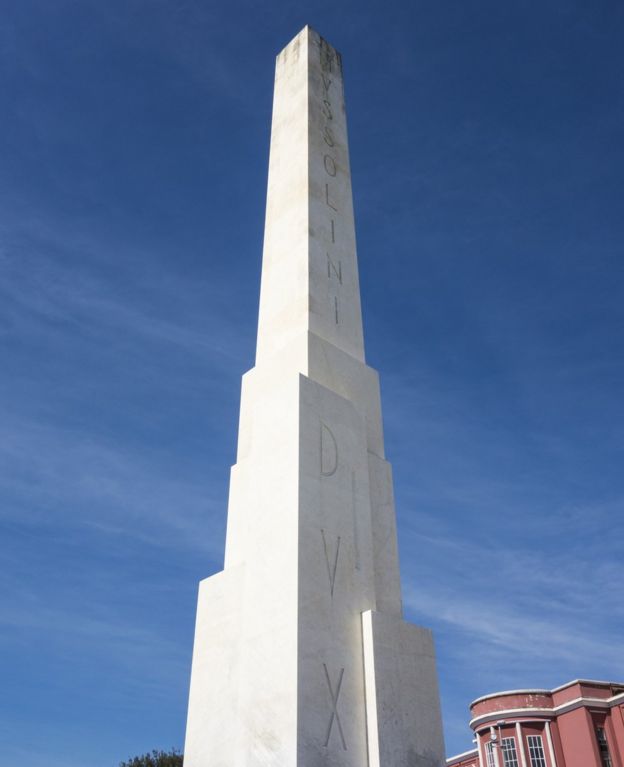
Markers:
(171, 758)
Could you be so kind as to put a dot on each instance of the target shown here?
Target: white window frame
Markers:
(537, 755)
(489, 754)
(605, 756)
(509, 752)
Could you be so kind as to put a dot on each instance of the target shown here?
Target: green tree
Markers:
(171, 758)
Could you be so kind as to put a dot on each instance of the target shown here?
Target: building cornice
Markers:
(587, 681)
(510, 692)
(532, 713)
(547, 713)
(537, 691)
(465, 754)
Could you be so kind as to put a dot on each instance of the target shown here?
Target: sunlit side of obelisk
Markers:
(301, 655)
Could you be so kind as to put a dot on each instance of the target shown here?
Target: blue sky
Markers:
(487, 159)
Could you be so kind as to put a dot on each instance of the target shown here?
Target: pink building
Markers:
(580, 724)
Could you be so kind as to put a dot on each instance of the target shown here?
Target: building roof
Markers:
(540, 691)
(464, 754)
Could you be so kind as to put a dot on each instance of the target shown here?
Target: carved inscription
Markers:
(327, 57)
(327, 200)
(329, 452)
(334, 272)
(330, 165)
(335, 717)
(331, 267)
(356, 527)
(331, 562)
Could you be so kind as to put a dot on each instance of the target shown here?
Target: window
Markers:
(489, 752)
(536, 751)
(510, 757)
(603, 747)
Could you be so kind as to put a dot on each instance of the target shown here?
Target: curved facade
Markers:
(580, 724)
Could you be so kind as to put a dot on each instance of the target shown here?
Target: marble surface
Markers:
(301, 654)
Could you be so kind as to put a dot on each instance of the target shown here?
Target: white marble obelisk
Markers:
(302, 657)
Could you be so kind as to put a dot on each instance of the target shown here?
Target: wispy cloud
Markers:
(86, 347)
(518, 613)
(108, 486)
(59, 296)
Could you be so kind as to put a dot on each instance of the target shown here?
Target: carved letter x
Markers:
(334, 699)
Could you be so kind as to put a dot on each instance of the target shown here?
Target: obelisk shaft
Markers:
(309, 242)
(301, 655)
